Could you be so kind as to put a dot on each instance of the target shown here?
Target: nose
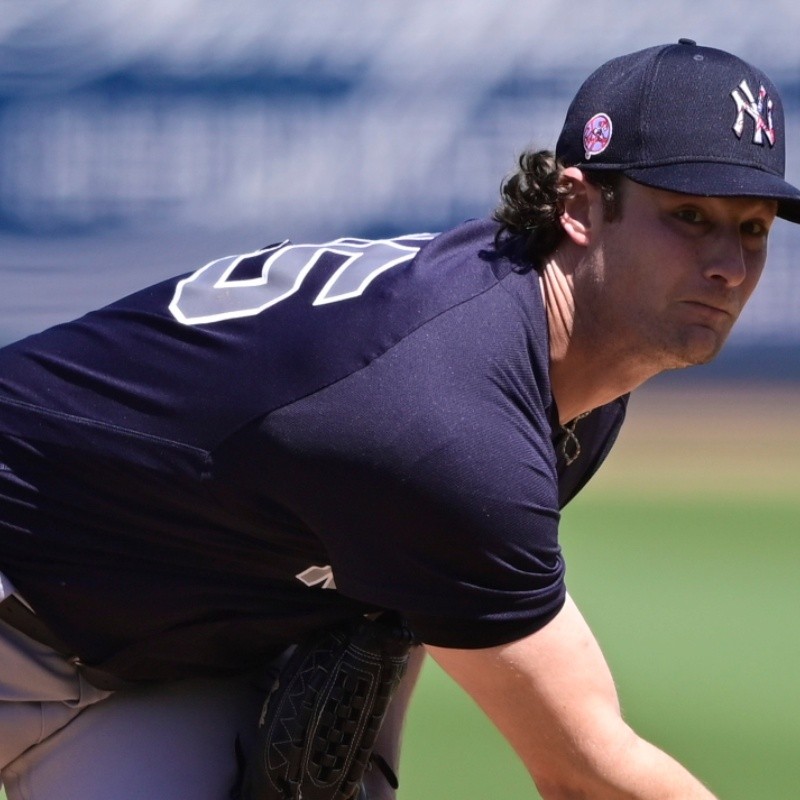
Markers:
(727, 262)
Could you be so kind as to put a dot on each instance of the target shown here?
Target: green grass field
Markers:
(682, 554)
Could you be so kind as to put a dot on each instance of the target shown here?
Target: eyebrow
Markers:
(765, 203)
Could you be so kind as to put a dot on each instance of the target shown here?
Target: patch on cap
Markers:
(597, 135)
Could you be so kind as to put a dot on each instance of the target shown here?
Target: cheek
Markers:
(755, 269)
(645, 269)
(643, 244)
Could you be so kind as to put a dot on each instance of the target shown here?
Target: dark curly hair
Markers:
(532, 201)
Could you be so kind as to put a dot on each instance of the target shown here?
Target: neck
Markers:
(586, 370)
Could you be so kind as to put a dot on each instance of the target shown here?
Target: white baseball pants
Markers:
(63, 739)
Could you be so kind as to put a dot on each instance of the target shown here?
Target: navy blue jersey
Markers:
(197, 475)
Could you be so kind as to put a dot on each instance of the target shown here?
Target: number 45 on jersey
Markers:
(214, 293)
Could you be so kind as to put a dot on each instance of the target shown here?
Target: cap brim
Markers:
(721, 180)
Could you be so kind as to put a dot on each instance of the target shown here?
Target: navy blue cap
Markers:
(686, 118)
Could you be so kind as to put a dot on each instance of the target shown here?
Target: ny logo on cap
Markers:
(759, 110)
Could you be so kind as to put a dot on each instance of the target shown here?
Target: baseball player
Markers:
(221, 466)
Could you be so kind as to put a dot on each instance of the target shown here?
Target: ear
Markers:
(578, 214)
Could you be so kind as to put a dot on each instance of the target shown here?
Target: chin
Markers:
(703, 344)
(700, 350)
(698, 356)
(700, 360)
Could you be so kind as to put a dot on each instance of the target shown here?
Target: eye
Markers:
(691, 215)
(755, 228)
(754, 233)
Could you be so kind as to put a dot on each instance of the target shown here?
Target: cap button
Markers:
(687, 41)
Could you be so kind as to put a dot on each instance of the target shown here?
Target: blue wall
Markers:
(137, 143)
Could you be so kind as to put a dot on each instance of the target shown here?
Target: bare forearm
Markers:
(636, 770)
(552, 697)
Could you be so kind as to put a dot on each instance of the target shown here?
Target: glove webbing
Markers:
(324, 711)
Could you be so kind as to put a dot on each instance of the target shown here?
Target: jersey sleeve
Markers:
(429, 476)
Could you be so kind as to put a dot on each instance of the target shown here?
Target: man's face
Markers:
(666, 280)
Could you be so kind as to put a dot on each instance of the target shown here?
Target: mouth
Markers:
(711, 308)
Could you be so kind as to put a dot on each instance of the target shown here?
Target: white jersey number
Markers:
(212, 294)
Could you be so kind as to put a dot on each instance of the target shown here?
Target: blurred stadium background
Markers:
(143, 139)
(138, 139)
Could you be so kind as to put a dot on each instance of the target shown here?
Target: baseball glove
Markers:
(323, 713)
